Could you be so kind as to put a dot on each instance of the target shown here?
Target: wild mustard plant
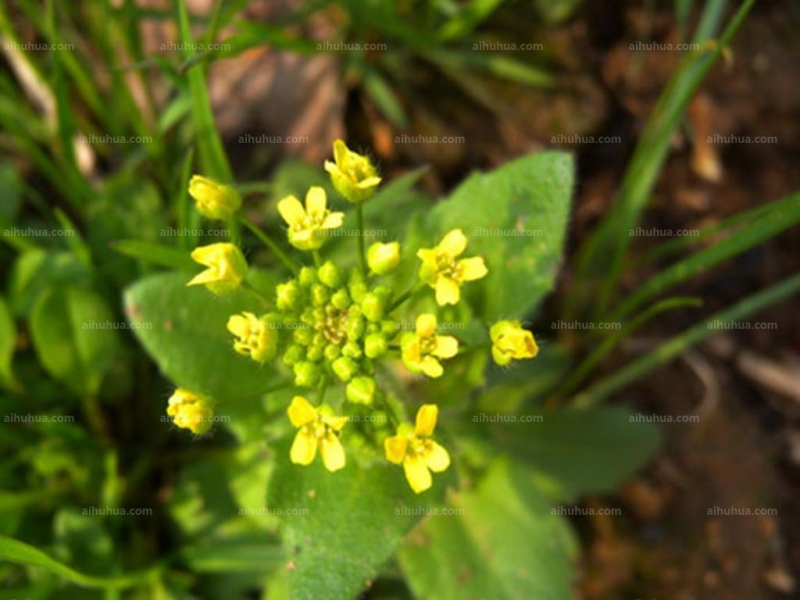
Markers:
(332, 324)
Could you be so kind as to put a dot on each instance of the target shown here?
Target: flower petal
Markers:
(453, 244)
(340, 152)
(301, 412)
(417, 474)
(239, 325)
(316, 200)
(291, 210)
(473, 268)
(395, 447)
(431, 367)
(437, 458)
(446, 346)
(447, 291)
(304, 448)
(207, 276)
(332, 452)
(426, 420)
(368, 182)
(333, 220)
(425, 324)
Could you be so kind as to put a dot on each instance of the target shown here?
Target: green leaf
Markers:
(35, 271)
(503, 542)
(384, 97)
(21, 553)
(72, 330)
(494, 64)
(343, 526)
(184, 330)
(468, 19)
(8, 339)
(516, 218)
(580, 452)
(158, 254)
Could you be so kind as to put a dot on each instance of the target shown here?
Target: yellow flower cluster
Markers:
(337, 323)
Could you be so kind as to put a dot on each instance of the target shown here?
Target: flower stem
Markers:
(323, 387)
(249, 286)
(362, 253)
(317, 259)
(406, 295)
(261, 235)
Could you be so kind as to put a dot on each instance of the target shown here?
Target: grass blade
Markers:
(761, 230)
(680, 343)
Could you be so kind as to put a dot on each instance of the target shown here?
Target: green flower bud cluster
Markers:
(338, 327)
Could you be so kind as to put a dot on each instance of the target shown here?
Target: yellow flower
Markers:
(444, 273)
(191, 411)
(414, 449)
(214, 200)
(226, 267)
(257, 339)
(308, 226)
(353, 175)
(510, 341)
(318, 429)
(420, 350)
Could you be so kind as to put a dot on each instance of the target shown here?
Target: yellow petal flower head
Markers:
(256, 337)
(416, 451)
(319, 429)
(214, 200)
(422, 349)
(226, 267)
(511, 342)
(308, 225)
(353, 175)
(191, 411)
(444, 273)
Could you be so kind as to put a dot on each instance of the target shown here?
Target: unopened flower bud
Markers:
(374, 303)
(306, 374)
(361, 390)
(330, 275)
(344, 367)
(375, 345)
(214, 200)
(383, 258)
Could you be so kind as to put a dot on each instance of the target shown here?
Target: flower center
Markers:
(312, 220)
(334, 325)
(449, 267)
